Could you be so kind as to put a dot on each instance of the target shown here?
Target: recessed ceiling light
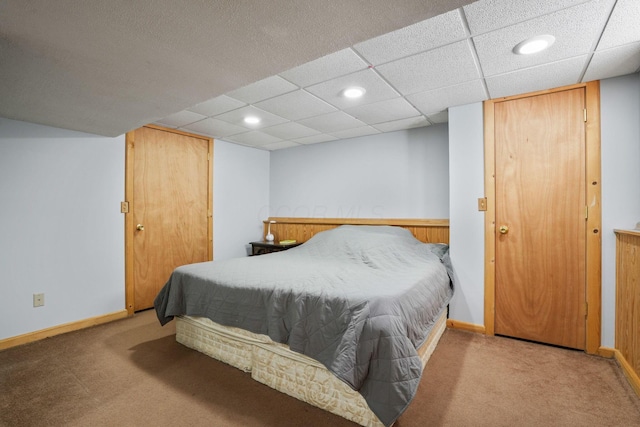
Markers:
(534, 44)
(353, 92)
(252, 120)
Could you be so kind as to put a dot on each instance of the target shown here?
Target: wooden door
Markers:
(170, 207)
(540, 218)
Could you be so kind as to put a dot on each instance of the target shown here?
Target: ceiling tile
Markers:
(237, 117)
(181, 118)
(214, 127)
(441, 117)
(290, 130)
(332, 122)
(439, 99)
(376, 89)
(614, 62)
(218, 105)
(328, 67)
(263, 89)
(413, 122)
(280, 145)
(545, 76)
(383, 111)
(488, 15)
(445, 66)
(296, 105)
(323, 137)
(352, 133)
(576, 31)
(253, 138)
(623, 26)
(429, 34)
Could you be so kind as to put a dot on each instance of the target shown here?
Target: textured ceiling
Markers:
(203, 66)
(414, 74)
(107, 67)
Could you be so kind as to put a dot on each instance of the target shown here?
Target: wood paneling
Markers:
(628, 303)
(302, 229)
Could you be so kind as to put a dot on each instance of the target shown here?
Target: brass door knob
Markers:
(503, 229)
(140, 227)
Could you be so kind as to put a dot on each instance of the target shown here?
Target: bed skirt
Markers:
(292, 373)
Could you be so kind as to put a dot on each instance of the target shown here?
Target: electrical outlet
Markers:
(38, 300)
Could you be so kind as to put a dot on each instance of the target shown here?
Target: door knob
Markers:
(503, 229)
(140, 227)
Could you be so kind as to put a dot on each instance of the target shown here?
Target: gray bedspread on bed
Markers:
(358, 299)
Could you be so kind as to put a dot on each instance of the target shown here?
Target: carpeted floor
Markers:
(132, 372)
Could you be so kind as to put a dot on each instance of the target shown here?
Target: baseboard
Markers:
(61, 329)
(607, 352)
(471, 327)
(628, 371)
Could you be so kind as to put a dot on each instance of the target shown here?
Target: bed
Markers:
(344, 321)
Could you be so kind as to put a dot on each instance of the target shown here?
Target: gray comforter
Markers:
(358, 299)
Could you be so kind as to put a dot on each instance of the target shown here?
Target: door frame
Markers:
(594, 218)
(129, 282)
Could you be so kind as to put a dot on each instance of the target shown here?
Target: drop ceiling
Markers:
(414, 58)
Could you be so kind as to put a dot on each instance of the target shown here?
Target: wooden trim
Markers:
(628, 371)
(594, 221)
(607, 352)
(302, 229)
(464, 326)
(489, 219)
(210, 201)
(128, 195)
(407, 222)
(627, 232)
(129, 293)
(61, 329)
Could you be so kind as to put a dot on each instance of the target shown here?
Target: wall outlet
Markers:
(38, 300)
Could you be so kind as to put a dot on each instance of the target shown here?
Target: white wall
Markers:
(61, 230)
(240, 198)
(466, 233)
(400, 174)
(620, 113)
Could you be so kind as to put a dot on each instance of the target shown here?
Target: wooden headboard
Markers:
(302, 229)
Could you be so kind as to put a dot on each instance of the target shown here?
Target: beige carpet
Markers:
(132, 372)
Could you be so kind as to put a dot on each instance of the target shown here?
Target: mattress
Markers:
(289, 372)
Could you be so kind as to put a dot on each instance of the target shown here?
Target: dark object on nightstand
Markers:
(261, 248)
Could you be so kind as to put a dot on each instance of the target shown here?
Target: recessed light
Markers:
(353, 92)
(534, 44)
(252, 120)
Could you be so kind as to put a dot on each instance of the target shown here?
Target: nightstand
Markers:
(261, 248)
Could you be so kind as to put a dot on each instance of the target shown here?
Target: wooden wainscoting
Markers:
(302, 229)
(628, 304)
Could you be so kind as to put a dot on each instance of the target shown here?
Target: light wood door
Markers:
(170, 207)
(540, 218)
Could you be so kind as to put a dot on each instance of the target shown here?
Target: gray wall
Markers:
(620, 110)
(61, 230)
(620, 113)
(400, 174)
(466, 239)
(240, 198)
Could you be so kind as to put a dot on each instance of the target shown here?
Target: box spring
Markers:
(292, 373)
